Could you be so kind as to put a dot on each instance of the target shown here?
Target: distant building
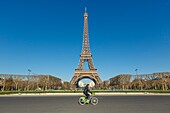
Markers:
(91, 84)
(81, 84)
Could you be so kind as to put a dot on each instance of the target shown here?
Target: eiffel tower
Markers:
(85, 56)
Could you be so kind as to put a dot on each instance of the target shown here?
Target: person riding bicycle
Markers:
(87, 91)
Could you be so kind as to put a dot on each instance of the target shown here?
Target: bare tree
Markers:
(17, 79)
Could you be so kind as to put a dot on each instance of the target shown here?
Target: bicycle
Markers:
(92, 100)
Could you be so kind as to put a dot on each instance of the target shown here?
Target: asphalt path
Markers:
(69, 104)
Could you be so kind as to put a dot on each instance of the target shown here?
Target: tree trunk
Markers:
(16, 86)
(4, 84)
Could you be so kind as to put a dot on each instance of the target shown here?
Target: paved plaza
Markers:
(69, 104)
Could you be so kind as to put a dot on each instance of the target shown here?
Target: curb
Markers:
(80, 94)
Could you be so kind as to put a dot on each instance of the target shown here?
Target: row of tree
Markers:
(28, 82)
(155, 81)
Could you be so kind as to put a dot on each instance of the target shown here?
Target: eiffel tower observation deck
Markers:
(85, 56)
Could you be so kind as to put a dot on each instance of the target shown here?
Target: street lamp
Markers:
(136, 71)
(137, 76)
(29, 71)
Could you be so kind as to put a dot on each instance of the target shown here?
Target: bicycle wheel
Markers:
(94, 101)
(82, 101)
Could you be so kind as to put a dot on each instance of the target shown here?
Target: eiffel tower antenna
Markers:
(85, 45)
(85, 9)
(85, 56)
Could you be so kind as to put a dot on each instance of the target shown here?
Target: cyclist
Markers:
(87, 91)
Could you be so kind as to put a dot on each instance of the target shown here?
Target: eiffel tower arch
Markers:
(85, 56)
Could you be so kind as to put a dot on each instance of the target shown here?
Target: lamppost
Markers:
(140, 80)
(136, 71)
(137, 76)
(29, 72)
(163, 88)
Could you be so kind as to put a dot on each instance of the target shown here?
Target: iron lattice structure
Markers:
(85, 56)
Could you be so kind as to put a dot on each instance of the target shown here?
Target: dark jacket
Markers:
(86, 90)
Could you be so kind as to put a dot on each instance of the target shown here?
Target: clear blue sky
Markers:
(46, 36)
